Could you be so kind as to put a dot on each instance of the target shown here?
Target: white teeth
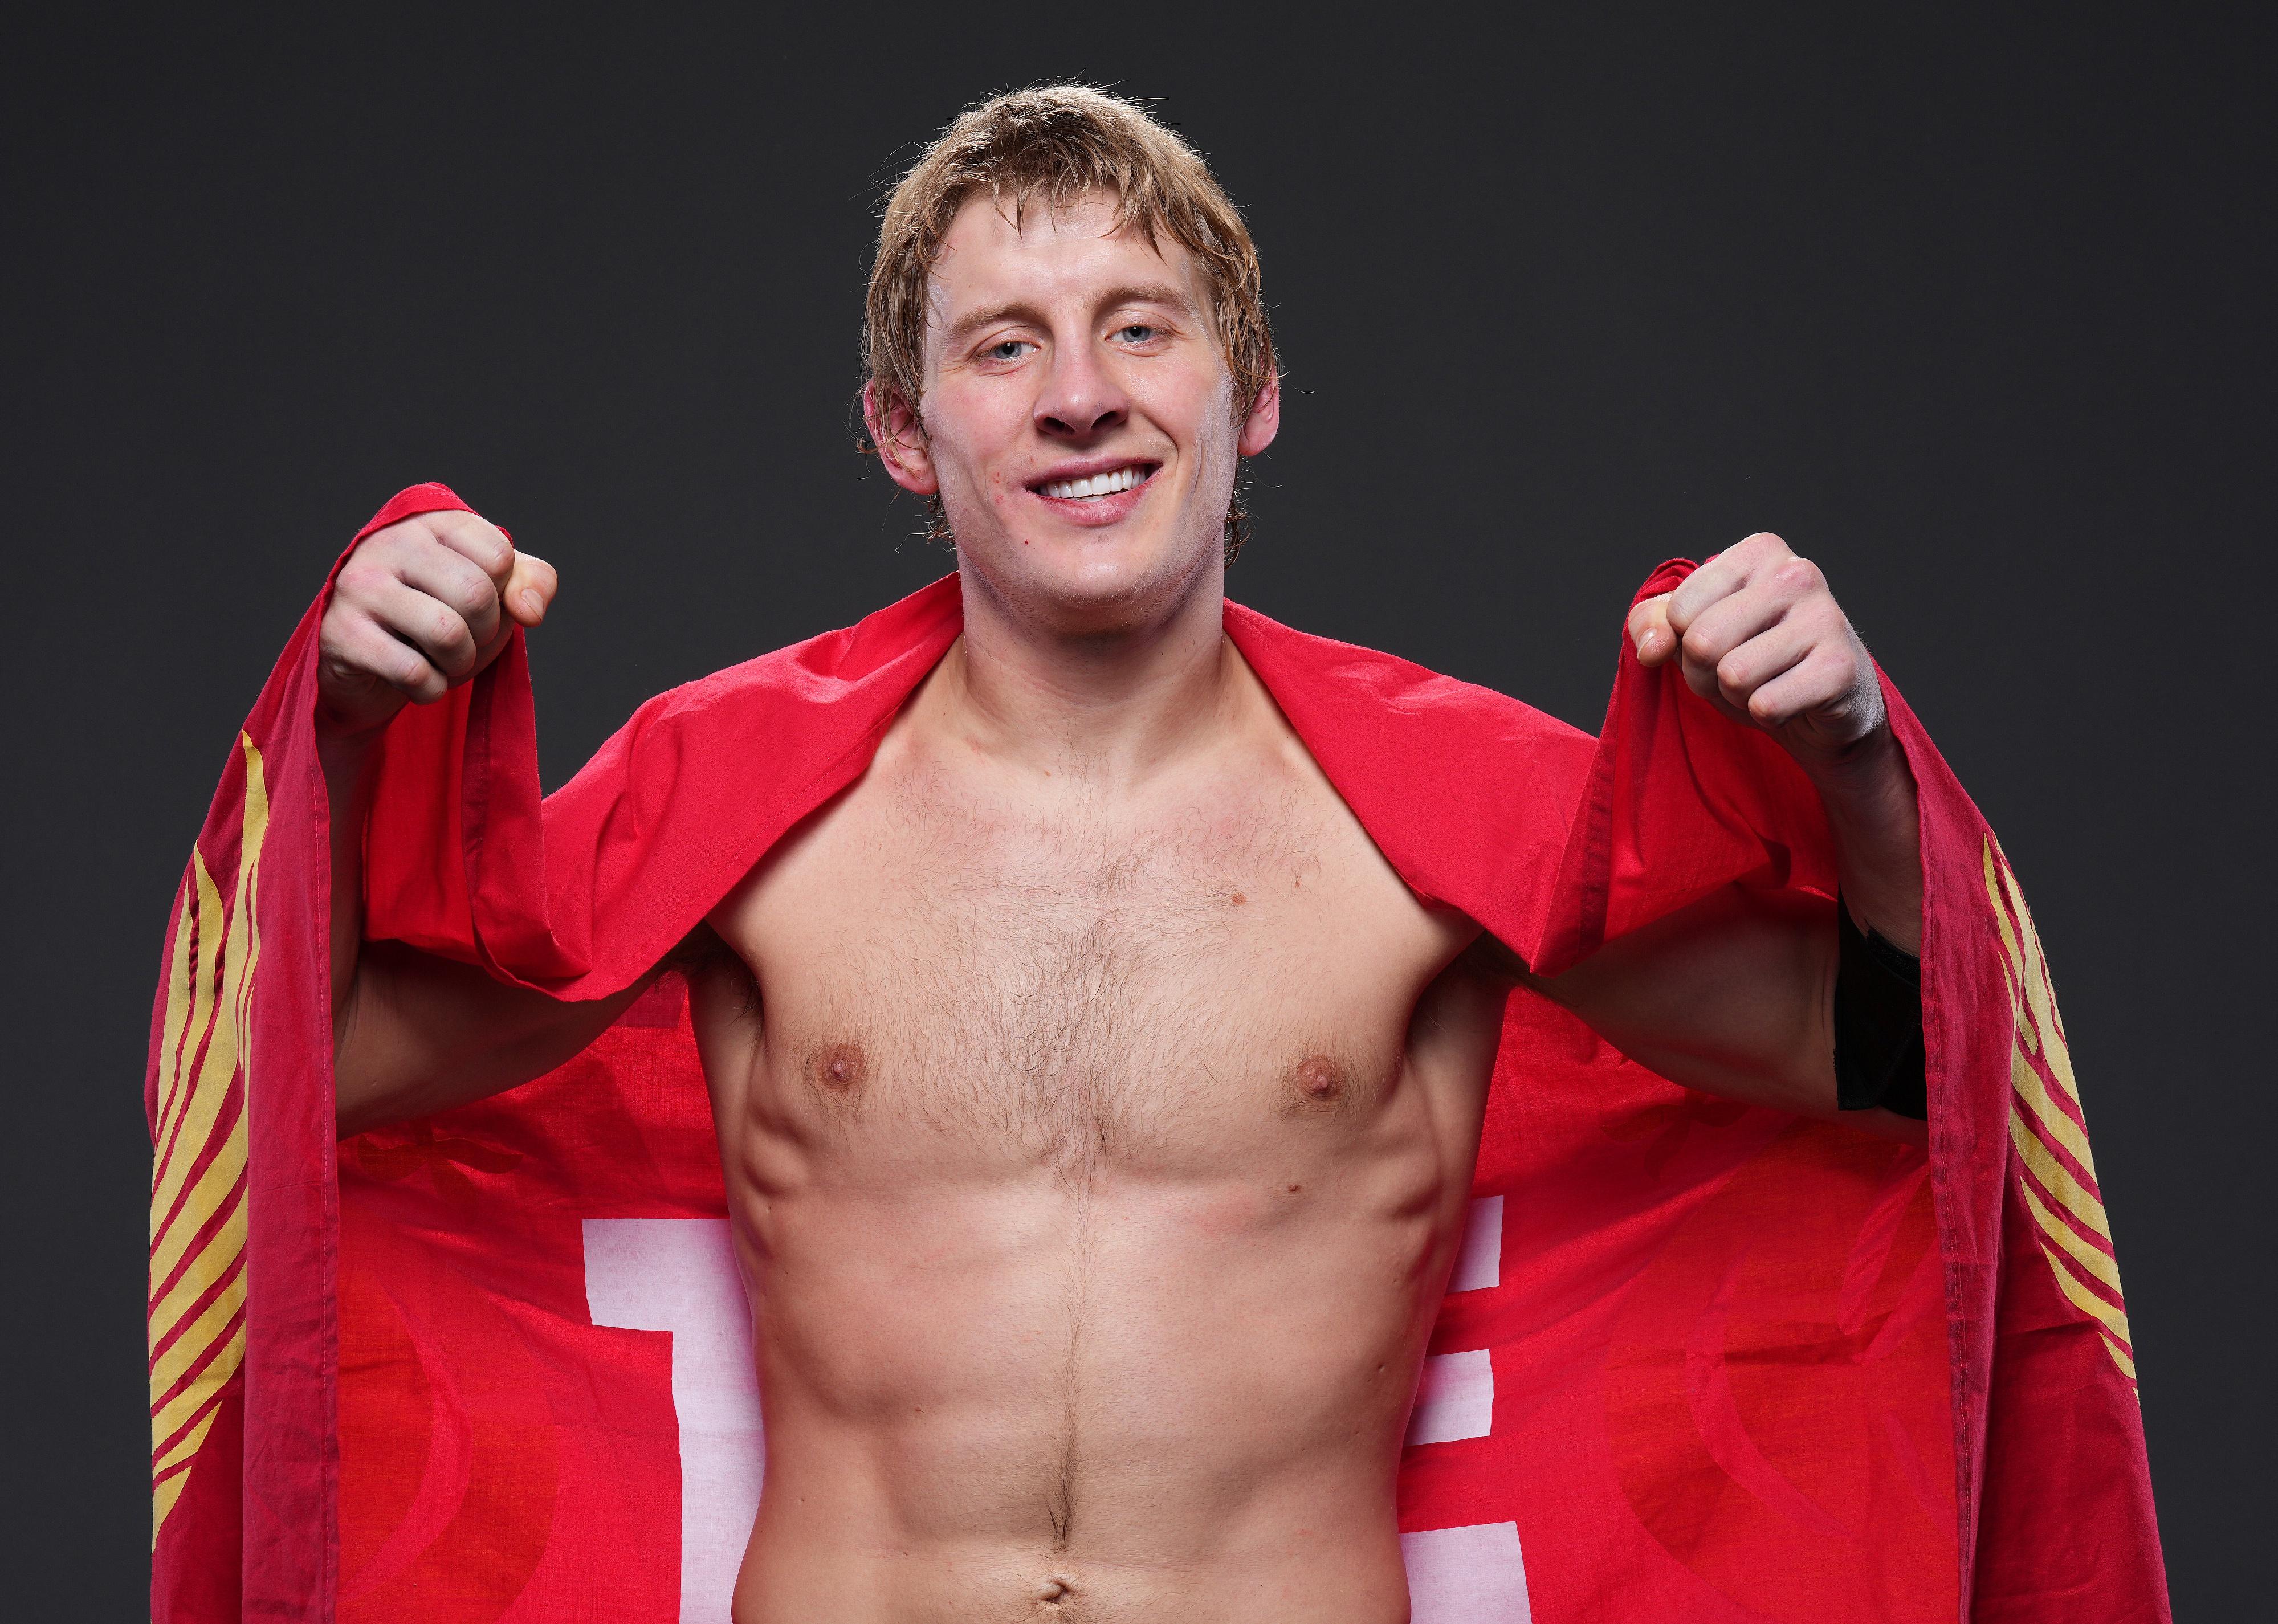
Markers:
(1095, 485)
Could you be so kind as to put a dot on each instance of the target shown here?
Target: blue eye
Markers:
(1137, 332)
(1009, 350)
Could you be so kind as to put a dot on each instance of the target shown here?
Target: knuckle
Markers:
(1799, 575)
(448, 629)
(481, 541)
(472, 594)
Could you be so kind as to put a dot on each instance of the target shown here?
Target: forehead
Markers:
(998, 249)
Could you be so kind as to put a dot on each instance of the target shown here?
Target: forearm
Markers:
(413, 1034)
(1873, 816)
(346, 760)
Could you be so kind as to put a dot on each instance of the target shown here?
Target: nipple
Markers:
(1318, 1081)
(839, 1069)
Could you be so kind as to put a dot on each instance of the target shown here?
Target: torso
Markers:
(1097, 1162)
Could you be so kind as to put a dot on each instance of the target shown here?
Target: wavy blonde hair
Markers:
(1054, 144)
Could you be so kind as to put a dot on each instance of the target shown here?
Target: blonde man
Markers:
(1098, 1102)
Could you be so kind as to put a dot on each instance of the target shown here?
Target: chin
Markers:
(1090, 582)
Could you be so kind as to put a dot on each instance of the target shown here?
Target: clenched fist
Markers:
(419, 608)
(1758, 635)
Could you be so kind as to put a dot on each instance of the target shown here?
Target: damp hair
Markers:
(1051, 146)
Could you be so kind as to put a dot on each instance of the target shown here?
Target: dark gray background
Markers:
(1976, 313)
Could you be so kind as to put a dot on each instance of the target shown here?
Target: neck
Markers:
(1090, 701)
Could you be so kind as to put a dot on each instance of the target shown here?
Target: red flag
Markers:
(1698, 1361)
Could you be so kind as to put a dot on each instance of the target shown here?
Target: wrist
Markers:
(1868, 771)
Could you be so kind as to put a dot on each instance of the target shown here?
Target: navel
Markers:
(839, 1069)
(1317, 1083)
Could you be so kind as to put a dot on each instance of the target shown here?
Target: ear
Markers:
(1264, 420)
(900, 441)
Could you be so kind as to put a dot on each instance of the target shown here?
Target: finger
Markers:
(530, 589)
(1825, 682)
(361, 646)
(1732, 620)
(433, 627)
(1705, 586)
(453, 579)
(1725, 574)
(1649, 632)
(365, 575)
(1779, 648)
(477, 539)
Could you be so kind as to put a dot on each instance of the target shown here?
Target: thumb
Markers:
(530, 587)
(1649, 630)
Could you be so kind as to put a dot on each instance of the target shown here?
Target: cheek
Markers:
(1197, 411)
(972, 430)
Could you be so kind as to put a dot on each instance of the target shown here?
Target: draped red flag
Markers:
(1698, 1361)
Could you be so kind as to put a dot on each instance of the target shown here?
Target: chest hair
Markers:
(1073, 988)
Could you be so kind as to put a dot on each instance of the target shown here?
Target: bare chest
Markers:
(1160, 989)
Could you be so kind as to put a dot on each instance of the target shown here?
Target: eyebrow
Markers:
(1136, 292)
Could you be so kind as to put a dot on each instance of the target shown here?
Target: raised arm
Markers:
(1757, 633)
(421, 607)
(1737, 994)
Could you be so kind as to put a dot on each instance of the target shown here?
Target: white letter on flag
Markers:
(679, 1274)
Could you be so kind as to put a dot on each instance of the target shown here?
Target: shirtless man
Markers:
(1097, 1106)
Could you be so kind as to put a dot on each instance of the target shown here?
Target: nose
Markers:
(1080, 399)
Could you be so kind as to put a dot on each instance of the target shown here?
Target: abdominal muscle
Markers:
(1143, 1399)
(1157, 1370)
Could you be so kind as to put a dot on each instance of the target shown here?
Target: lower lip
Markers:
(1096, 509)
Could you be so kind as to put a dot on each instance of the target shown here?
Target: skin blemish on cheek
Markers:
(1237, 899)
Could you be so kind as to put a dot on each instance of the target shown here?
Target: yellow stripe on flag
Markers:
(2053, 1116)
(2056, 1177)
(208, 1002)
(2114, 1320)
(2098, 1263)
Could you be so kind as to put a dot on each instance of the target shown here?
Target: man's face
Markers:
(1079, 413)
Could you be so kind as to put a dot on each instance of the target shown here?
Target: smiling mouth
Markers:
(1093, 486)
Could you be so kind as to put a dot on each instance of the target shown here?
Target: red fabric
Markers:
(1745, 1366)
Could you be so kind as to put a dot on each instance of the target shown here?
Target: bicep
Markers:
(422, 1033)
